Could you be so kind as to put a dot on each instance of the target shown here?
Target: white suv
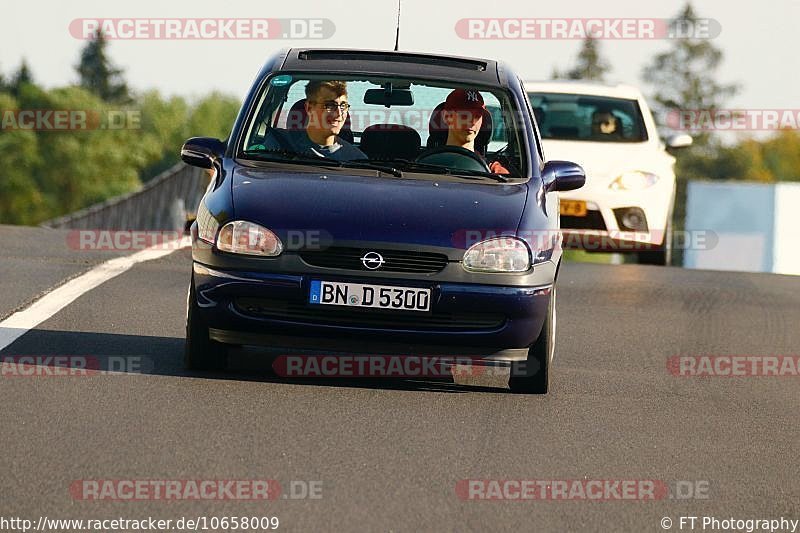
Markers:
(627, 202)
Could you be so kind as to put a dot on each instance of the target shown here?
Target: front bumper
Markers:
(492, 322)
(601, 229)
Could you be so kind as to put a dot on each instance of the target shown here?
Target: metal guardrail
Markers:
(163, 203)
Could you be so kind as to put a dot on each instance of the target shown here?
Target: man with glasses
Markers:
(326, 107)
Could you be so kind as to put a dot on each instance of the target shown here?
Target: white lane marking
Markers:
(54, 301)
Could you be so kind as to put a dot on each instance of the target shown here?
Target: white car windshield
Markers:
(578, 117)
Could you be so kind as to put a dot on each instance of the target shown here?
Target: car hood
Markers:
(365, 208)
(606, 161)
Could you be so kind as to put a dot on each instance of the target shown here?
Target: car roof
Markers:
(467, 70)
(583, 87)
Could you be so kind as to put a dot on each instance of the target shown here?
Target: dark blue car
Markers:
(380, 203)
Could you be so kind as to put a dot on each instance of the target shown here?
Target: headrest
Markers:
(390, 141)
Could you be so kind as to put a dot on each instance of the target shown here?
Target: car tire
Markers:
(535, 377)
(662, 255)
(201, 353)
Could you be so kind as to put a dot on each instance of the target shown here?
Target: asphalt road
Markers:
(389, 454)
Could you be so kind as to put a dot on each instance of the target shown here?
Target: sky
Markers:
(760, 40)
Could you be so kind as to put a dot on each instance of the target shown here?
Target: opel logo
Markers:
(372, 260)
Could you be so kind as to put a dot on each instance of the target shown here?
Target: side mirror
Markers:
(202, 151)
(563, 176)
(679, 140)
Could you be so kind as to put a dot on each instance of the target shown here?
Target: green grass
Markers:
(580, 256)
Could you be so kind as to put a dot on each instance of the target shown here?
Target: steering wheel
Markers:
(454, 157)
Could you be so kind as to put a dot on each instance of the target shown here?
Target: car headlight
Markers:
(633, 181)
(503, 254)
(241, 237)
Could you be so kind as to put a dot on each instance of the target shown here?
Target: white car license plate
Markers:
(361, 295)
(574, 208)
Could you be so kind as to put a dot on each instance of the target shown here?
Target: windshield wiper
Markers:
(475, 174)
(365, 163)
(433, 169)
(288, 156)
(437, 169)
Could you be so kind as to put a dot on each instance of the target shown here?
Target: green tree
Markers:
(83, 165)
(164, 127)
(169, 122)
(51, 172)
(717, 161)
(213, 116)
(684, 77)
(21, 200)
(20, 79)
(590, 65)
(98, 75)
(781, 155)
(774, 159)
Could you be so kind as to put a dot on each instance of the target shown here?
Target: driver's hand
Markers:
(497, 168)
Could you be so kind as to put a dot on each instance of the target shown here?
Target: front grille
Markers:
(365, 318)
(394, 260)
(592, 220)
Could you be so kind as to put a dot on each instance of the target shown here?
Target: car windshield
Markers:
(403, 125)
(577, 117)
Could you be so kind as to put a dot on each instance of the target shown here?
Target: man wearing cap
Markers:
(464, 113)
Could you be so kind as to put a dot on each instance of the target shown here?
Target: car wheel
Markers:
(662, 255)
(535, 377)
(201, 353)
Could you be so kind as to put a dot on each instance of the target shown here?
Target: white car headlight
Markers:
(633, 181)
(241, 237)
(503, 254)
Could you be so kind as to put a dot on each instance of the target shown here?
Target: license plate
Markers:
(573, 208)
(376, 296)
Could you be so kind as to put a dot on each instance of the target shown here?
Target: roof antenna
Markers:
(397, 37)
